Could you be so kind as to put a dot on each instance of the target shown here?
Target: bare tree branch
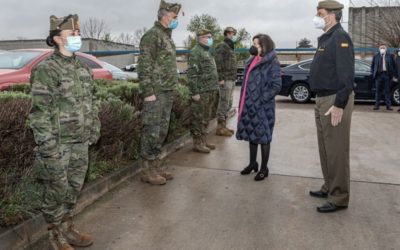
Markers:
(382, 24)
(94, 28)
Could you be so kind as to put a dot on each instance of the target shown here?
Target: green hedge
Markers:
(118, 144)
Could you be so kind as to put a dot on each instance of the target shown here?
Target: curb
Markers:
(28, 232)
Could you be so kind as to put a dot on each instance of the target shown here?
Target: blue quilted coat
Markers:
(257, 121)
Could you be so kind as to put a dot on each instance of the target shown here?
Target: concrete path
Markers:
(210, 206)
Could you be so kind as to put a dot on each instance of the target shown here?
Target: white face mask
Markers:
(319, 22)
(398, 53)
(383, 51)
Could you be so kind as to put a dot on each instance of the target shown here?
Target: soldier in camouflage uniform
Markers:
(64, 120)
(158, 77)
(203, 83)
(227, 66)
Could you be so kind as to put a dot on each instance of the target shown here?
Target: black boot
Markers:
(265, 148)
(247, 170)
(253, 165)
(262, 174)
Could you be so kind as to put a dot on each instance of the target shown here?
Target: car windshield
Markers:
(16, 59)
(362, 67)
(111, 67)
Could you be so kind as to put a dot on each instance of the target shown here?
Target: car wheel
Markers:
(300, 93)
(396, 96)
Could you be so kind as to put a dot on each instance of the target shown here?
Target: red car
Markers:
(16, 65)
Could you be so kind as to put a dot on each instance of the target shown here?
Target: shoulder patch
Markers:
(344, 45)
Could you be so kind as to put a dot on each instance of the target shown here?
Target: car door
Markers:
(364, 88)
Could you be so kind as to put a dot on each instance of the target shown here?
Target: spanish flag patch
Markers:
(344, 45)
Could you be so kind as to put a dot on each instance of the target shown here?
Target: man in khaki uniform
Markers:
(225, 59)
(332, 79)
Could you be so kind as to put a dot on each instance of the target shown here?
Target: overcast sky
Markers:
(286, 21)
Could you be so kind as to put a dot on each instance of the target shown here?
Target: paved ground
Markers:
(210, 206)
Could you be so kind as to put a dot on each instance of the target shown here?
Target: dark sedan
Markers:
(295, 82)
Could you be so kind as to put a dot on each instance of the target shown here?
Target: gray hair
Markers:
(338, 14)
(161, 13)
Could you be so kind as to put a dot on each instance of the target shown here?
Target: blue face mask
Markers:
(74, 43)
(234, 38)
(173, 24)
(210, 42)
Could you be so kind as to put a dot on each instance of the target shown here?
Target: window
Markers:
(362, 67)
(305, 66)
(17, 59)
(88, 62)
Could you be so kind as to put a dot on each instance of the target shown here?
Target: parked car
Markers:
(130, 67)
(119, 74)
(295, 82)
(16, 65)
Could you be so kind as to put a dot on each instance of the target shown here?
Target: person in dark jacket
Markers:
(383, 70)
(397, 54)
(256, 116)
(332, 79)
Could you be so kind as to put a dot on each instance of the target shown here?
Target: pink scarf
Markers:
(256, 60)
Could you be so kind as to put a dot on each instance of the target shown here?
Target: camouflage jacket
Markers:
(157, 68)
(202, 71)
(64, 108)
(225, 58)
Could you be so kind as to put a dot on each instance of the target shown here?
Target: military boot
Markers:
(208, 145)
(162, 171)
(222, 130)
(57, 240)
(73, 236)
(149, 174)
(199, 146)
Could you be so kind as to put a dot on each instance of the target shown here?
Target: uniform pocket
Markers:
(151, 112)
(48, 168)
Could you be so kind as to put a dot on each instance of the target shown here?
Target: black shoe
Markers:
(330, 208)
(376, 108)
(319, 194)
(247, 170)
(398, 110)
(262, 174)
(389, 108)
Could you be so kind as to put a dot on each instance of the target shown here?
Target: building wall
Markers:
(362, 21)
(88, 45)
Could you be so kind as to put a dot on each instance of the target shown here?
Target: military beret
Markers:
(330, 5)
(230, 29)
(172, 7)
(203, 32)
(70, 22)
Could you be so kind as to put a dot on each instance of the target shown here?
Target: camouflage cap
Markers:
(230, 29)
(172, 7)
(203, 32)
(330, 5)
(70, 22)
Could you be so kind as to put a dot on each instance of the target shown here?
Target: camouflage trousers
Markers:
(155, 125)
(201, 114)
(62, 178)
(225, 100)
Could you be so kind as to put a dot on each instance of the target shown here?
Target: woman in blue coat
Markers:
(256, 116)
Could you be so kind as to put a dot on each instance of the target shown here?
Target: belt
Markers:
(326, 93)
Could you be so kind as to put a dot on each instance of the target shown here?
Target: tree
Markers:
(208, 22)
(304, 43)
(94, 28)
(382, 24)
(204, 21)
(138, 35)
(126, 38)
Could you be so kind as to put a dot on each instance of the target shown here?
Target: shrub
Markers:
(118, 144)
